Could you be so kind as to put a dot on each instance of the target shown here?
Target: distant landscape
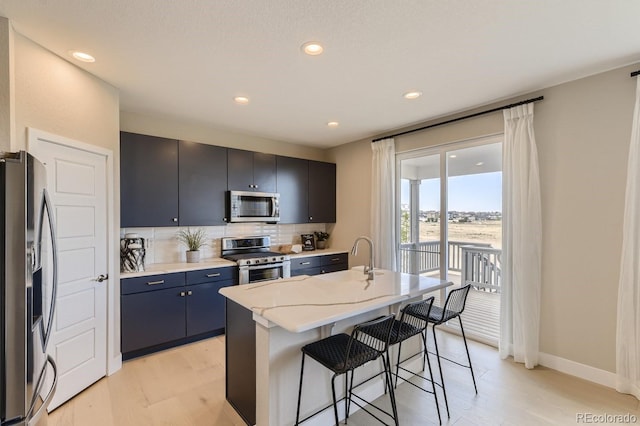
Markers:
(481, 227)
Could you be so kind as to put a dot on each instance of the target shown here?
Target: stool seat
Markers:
(330, 352)
(400, 331)
(439, 316)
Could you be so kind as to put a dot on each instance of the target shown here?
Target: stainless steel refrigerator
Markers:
(28, 283)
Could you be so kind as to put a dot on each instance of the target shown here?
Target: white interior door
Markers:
(77, 184)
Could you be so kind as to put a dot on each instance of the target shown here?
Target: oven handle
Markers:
(265, 266)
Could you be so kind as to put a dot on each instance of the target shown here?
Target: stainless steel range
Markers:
(256, 262)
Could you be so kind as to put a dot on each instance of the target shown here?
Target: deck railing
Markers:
(478, 262)
(481, 268)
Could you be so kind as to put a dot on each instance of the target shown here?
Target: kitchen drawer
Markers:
(305, 262)
(333, 259)
(151, 283)
(333, 268)
(306, 271)
(210, 275)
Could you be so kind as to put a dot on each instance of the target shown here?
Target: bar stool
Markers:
(453, 307)
(343, 353)
(413, 321)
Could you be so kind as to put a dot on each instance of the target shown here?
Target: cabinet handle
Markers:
(213, 275)
(182, 294)
(155, 282)
(189, 293)
(255, 186)
(305, 263)
(335, 259)
(175, 219)
(310, 217)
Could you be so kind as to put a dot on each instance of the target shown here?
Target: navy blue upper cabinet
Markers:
(293, 185)
(202, 184)
(251, 171)
(322, 192)
(149, 181)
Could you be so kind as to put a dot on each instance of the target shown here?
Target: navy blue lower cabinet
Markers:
(205, 307)
(152, 318)
(322, 264)
(161, 311)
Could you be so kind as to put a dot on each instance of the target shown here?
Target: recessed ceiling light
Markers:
(242, 100)
(312, 48)
(412, 95)
(333, 124)
(452, 156)
(82, 56)
(479, 163)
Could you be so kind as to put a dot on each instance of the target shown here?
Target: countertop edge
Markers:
(217, 262)
(169, 268)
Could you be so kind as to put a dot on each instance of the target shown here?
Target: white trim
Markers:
(583, 371)
(114, 356)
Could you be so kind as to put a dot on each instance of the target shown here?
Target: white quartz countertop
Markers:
(318, 252)
(167, 268)
(216, 262)
(303, 303)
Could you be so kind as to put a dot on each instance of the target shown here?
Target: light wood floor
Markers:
(185, 386)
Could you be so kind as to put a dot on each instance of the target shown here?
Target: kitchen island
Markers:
(286, 314)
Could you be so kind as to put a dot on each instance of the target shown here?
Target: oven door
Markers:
(268, 272)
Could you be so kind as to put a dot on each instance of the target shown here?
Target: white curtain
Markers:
(628, 323)
(383, 202)
(521, 239)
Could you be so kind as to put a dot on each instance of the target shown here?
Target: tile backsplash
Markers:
(162, 246)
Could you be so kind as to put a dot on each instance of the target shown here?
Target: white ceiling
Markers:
(187, 59)
(460, 162)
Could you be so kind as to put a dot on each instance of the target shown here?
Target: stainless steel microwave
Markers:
(247, 206)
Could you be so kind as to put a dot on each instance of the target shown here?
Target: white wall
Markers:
(7, 130)
(196, 132)
(582, 130)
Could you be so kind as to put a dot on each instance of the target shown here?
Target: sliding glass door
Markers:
(450, 226)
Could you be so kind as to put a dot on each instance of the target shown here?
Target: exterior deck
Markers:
(468, 263)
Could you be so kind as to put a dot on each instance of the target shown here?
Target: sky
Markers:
(478, 193)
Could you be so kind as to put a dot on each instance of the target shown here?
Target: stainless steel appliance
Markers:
(256, 262)
(28, 283)
(247, 206)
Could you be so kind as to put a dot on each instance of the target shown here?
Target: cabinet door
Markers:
(264, 172)
(240, 170)
(251, 171)
(152, 318)
(203, 183)
(148, 181)
(322, 192)
(205, 307)
(293, 185)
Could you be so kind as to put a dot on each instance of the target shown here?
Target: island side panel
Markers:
(240, 341)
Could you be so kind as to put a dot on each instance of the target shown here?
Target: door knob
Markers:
(102, 277)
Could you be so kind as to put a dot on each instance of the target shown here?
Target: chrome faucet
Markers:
(354, 251)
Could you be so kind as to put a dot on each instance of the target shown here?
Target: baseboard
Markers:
(586, 372)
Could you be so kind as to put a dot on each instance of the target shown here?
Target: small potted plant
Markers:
(321, 239)
(194, 240)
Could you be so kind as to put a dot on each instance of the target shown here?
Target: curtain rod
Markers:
(528, 101)
(633, 74)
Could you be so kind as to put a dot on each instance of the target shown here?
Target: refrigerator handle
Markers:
(32, 419)
(46, 204)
